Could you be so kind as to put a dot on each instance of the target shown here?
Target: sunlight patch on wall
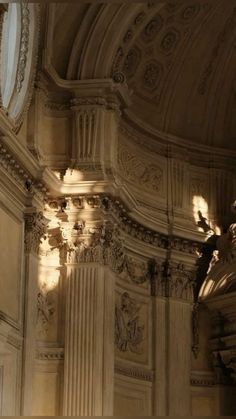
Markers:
(48, 279)
(201, 216)
(200, 204)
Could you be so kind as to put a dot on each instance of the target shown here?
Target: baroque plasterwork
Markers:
(147, 57)
(137, 171)
(45, 310)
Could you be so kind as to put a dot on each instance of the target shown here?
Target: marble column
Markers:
(89, 357)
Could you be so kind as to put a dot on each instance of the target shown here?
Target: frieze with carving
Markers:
(129, 332)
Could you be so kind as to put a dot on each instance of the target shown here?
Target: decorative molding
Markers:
(24, 46)
(30, 89)
(50, 354)
(202, 379)
(129, 333)
(76, 103)
(35, 229)
(19, 174)
(120, 215)
(11, 164)
(135, 229)
(135, 372)
(56, 106)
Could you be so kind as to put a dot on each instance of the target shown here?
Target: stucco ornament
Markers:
(128, 328)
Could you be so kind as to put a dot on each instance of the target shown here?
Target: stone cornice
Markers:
(140, 232)
(102, 88)
(24, 171)
(115, 209)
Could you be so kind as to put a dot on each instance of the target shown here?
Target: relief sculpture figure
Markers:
(128, 330)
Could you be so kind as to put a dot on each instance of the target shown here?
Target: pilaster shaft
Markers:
(86, 340)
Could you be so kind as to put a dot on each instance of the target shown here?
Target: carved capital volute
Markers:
(35, 229)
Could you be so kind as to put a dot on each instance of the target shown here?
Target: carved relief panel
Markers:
(132, 327)
(142, 171)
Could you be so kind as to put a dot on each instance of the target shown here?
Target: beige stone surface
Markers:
(46, 395)
(11, 261)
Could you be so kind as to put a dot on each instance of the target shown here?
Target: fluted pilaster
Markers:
(87, 341)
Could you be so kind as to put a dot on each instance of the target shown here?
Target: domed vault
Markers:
(177, 58)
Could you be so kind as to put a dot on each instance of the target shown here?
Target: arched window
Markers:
(11, 37)
(18, 57)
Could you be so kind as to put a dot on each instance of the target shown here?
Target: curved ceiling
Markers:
(177, 57)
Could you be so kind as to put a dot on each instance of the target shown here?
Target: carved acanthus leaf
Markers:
(35, 229)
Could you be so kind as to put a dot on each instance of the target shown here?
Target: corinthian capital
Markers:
(35, 229)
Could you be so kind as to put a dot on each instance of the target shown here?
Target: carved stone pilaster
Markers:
(35, 229)
(195, 330)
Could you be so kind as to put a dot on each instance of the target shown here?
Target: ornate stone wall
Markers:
(108, 231)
